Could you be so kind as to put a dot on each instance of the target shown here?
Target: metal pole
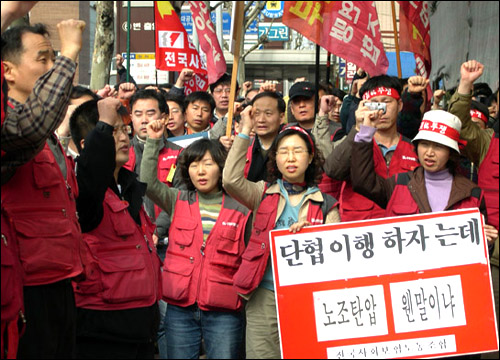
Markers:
(316, 100)
(328, 67)
(128, 41)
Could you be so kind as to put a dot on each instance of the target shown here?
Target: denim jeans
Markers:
(186, 326)
(161, 337)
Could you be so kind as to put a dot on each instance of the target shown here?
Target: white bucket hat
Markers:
(441, 127)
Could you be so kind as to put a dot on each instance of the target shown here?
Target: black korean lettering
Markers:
(295, 253)
(442, 237)
(337, 246)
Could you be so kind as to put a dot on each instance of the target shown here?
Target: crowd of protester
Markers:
(120, 243)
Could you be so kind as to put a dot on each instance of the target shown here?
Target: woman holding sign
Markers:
(291, 200)
(433, 186)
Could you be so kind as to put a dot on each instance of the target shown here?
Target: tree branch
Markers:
(264, 39)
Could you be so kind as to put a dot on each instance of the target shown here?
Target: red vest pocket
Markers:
(177, 277)
(125, 278)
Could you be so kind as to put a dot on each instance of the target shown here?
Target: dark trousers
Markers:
(50, 322)
(95, 348)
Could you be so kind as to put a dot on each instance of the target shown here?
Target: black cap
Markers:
(303, 88)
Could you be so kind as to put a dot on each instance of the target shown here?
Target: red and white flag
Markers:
(348, 29)
(414, 33)
(174, 50)
(216, 64)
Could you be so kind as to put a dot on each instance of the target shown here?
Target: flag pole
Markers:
(237, 27)
(396, 41)
(316, 80)
(128, 41)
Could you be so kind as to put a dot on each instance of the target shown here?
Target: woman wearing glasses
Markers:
(291, 200)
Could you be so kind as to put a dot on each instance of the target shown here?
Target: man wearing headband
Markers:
(483, 149)
(479, 114)
(392, 153)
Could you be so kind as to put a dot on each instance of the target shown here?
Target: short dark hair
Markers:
(339, 93)
(225, 79)
(200, 96)
(12, 45)
(195, 152)
(83, 121)
(274, 95)
(79, 91)
(381, 80)
(150, 94)
(314, 172)
(166, 86)
(176, 99)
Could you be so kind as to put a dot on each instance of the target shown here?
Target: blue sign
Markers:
(341, 67)
(274, 9)
(278, 32)
(187, 22)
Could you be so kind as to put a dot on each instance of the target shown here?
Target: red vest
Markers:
(249, 158)
(354, 206)
(12, 290)
(204, 275)
(402, 202)
(166, 160)
(488, 181)
(256, 255)
(42, 207)
(122, 268)
(330, 186)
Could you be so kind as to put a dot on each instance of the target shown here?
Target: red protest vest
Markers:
(166, 160)
(193, 273)
(42, 207)
(330, 186)
(12, 290)
(402, 202)
(488, 181)
(122, 269)
(256, 255)
(249, 157)
(354, 206)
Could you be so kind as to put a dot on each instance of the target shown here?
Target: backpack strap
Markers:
(476, 192)
(402, 178)
(327, 205)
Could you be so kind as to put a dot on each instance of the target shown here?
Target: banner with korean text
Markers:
(216, 63)
(348, 29)
(414, 33)
(413, 286)
(173, 48)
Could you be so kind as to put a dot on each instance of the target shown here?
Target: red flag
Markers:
(174, 50)
(216, 64)
(349, 29)
(414, 33)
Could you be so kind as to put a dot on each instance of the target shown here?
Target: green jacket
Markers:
(478, 141)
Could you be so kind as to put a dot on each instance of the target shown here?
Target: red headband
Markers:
(299, 129)
(381, 91)
(478, 114)
(442, 129)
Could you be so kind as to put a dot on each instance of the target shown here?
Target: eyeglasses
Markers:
(125, 129)
(296, 151)
(220, 91)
